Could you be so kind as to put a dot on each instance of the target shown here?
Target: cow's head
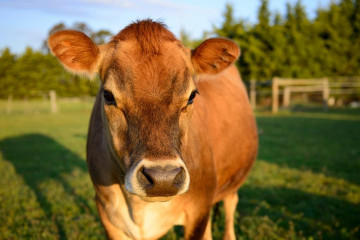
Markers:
(148, 88)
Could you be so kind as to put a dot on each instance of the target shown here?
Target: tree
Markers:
(101, 36)
(82, 27)
(261, 44)
(299, 40)
(230, 28)
(235, 30)
(355, 19)
(337, 31)
(7, 62)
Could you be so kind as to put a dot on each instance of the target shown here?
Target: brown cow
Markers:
(158, 156)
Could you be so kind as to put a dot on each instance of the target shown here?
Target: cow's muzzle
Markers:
(158, 180)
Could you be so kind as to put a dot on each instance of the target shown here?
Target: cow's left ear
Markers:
(214, 55)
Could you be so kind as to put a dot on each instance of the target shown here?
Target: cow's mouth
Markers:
(156, 199)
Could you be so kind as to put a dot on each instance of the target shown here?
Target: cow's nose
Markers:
(161, 181)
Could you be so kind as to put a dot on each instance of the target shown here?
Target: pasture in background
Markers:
(304, 185)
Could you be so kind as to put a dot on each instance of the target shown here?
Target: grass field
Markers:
(304, 185)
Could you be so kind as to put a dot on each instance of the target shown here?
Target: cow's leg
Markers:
(111, 231)
(196, 224)
(230, 203)
(208, 233)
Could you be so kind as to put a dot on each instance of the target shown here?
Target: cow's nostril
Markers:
(147, 175)
(179, 179)
(144, 178)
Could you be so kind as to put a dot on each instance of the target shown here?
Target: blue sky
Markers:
(27, 22)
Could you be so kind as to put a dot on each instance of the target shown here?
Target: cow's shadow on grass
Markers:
(40, 159)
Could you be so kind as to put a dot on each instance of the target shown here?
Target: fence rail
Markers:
(285, 87)
(50, 97)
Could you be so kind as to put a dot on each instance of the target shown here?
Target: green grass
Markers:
(304, 185)
(306, 181)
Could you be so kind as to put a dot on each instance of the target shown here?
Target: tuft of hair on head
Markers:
(148, 33)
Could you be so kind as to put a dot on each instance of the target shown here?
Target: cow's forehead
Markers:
(145, 60)
(168, 72)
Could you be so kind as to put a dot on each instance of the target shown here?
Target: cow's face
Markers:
(147, 100)
(148, 92)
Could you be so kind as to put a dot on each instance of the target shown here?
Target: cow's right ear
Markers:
(75, 51)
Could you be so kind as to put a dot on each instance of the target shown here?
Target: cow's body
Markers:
(217, 148)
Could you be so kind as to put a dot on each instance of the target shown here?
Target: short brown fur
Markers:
(153, 125)
(149, 35)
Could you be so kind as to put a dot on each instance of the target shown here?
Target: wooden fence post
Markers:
(253, 93)
(275, 95)
(326, 93)
(286, 96)
(53, 102)
(9, 104)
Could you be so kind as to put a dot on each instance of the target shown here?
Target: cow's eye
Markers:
(109, 98)
(192, 96)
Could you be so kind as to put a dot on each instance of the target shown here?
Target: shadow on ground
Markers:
(322, 217)
(40, 159)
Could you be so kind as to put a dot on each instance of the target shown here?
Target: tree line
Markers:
(292, 45)
(295, 46)
(34, 73)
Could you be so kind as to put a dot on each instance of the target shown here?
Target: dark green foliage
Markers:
(295, 46)
(7, 63)
(33, 74)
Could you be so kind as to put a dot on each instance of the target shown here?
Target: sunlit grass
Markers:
(304, 185)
